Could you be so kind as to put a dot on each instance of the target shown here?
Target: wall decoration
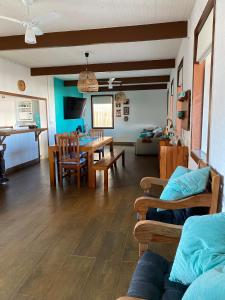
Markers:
(126, 110)
(118, 113)
(21, 85)
(118, 105)
(126, 118)
(127, 102)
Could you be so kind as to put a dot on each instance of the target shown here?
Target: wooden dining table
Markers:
(89, 145)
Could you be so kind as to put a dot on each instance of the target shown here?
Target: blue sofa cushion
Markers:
(176, 216)
(150, 280)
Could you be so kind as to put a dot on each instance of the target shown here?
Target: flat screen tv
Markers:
(73, 107)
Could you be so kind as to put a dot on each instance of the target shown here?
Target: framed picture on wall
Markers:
(127, 102)
(118, 105)
(126, 118)
(118, 113)
(126, 111)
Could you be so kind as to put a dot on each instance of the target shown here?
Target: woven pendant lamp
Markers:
(120, 97)
(87, 81)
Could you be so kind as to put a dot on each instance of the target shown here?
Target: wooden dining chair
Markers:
(70, 159)
(58, 135)
(79, 135)
(98, 133)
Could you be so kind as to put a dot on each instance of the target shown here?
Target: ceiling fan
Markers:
(110, 82)
(32, 28)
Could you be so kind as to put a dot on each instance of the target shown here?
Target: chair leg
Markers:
(99, 155)
(123, 159)
(106, 180)
(103, 153)
(60, 175)
(78, 178)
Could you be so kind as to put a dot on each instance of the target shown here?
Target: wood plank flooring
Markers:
(66, 244)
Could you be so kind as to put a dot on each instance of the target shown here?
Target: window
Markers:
(179, 106)
(171, 101)
(202, 83)
(180, 76)
(102, 111)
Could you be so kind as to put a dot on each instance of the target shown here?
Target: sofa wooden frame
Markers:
(147, 231)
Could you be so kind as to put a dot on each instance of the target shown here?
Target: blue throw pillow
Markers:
(208, 286)
(201, 248)
(179, 171)
(191, 183)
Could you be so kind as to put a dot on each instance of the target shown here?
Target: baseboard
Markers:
(124, 143)
(22, 166)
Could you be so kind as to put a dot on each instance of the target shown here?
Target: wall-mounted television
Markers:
(73, 107)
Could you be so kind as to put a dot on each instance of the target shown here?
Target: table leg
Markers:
(51, 158)
(91, 173)
(111, 146)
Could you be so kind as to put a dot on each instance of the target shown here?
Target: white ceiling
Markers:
(121, 74)
(101, 53)
(87, 14)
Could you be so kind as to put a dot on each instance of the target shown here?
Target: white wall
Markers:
(22, 148)
(146, 108)
(217, 141)
(11, 72)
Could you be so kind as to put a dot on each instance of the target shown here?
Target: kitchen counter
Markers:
(22, 146)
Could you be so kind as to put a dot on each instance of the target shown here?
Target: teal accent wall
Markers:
(60, 92)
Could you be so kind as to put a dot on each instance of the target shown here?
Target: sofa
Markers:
(150, 280)
(148, 141)
(147, 146)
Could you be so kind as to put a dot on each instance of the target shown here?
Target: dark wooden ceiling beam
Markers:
(149, 32)
(135, 87)
(106, 67)
(127, 80)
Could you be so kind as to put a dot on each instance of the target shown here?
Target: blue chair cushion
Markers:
(150, 280)
(82, 154)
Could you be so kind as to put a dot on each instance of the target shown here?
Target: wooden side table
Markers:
(171, 157)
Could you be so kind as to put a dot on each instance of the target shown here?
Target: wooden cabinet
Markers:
(170, 158)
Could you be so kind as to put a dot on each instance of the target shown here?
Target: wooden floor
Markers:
(69, 244)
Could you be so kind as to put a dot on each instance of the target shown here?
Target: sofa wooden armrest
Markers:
(144, 230)
(142, 204)
(147, 182)
(148, 231)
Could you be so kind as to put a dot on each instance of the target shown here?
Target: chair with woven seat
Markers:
(98, 133)
(161, 226)
(69, 158)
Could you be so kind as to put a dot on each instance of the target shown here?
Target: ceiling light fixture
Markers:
(87, 81)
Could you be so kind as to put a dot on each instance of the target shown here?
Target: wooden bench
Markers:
(107, 162)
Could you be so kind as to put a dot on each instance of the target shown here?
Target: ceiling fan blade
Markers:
(37, 31)
(30, 37)
(111, 80)
(51, 16)
(11, 20)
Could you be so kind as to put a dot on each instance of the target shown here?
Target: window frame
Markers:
(197, 154)
(92, 111)
(180, 71)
